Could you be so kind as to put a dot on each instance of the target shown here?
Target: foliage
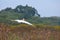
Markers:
(27, 12)
(44, 28)
(23, 31)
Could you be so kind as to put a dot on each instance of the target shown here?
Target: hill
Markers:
(29, 13)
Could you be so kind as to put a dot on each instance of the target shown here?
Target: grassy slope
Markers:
(26, 32)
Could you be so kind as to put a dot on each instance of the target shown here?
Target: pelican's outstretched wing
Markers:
(22, 21)
(27, 23)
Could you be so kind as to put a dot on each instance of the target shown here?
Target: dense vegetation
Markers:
(43, 28)
(26, 32)
(29, 13)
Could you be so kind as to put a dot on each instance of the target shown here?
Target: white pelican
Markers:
(22, 21)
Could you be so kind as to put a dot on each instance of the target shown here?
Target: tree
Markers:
(8, 8)
(26, 11)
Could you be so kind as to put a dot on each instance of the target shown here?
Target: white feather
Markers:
(22, 21)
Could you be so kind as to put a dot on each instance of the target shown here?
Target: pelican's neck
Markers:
(23, 19)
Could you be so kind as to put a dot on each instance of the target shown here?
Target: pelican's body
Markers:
(22, 21)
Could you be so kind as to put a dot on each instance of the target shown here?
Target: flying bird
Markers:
(22, 21)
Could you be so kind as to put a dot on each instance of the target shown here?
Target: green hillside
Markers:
(29, 13)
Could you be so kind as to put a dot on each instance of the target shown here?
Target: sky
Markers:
(46, 8)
